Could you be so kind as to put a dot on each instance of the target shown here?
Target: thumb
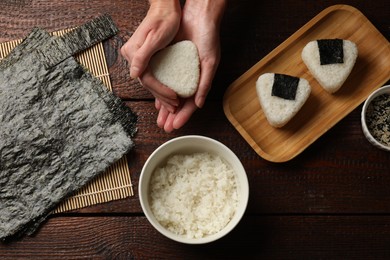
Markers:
(143, 55)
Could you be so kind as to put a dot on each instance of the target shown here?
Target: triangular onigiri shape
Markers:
(279, 109)
(330, 75)
(177, 67)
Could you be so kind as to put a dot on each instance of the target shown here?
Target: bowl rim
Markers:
(382, 90)
(243, 201)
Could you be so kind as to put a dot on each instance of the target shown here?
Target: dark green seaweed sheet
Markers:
(57, 49)
(331, 51)
(285, 86)
(60, 128)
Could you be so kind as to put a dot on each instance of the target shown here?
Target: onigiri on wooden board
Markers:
(177, 67)
(281, 96)
(330, 61)
(321, 111)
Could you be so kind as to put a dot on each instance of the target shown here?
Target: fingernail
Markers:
(199, 102)
(159, 121)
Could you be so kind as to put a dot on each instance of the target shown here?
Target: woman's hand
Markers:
(200, 23)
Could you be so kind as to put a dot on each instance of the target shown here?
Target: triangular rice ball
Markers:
(281, 101)
(177, 67)
(331, 76)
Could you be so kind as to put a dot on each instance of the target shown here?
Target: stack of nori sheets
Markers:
(59, 126)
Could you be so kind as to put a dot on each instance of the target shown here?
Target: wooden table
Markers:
(331, 201)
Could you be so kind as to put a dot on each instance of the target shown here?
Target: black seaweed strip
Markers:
(331, 51)
(285, 86)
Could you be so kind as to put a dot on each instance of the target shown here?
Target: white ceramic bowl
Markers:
(187, 145)
(370, 138)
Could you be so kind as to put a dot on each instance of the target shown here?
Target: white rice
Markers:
(194, 195)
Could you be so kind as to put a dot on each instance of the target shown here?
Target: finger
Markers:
(159, 90)
(162, 103)
(124, 52)
(128, 49)
(138, 51)
(140, 60)
(134, 43)
(208, 69)
(159, 100)
(184, 114)
(151, 44)
(162, 117)
(157, 104)
(168, 125)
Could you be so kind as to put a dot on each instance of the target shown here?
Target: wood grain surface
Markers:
(322, 110)
(332, 201)
(256, 237)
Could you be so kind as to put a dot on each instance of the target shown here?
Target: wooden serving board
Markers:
(322, 110)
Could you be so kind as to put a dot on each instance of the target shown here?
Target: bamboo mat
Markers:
(113, 184)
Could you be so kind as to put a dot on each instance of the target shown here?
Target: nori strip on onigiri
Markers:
(285, 86)
(331, 51)
(60, 127)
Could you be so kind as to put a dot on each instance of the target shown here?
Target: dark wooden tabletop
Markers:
(331, 201)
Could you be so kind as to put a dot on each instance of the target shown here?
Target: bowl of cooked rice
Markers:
(375, 118)
(193, 189)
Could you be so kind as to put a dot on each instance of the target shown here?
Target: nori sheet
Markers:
(331, 51)
(285, 86)
(57, 49)
(60, 128)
